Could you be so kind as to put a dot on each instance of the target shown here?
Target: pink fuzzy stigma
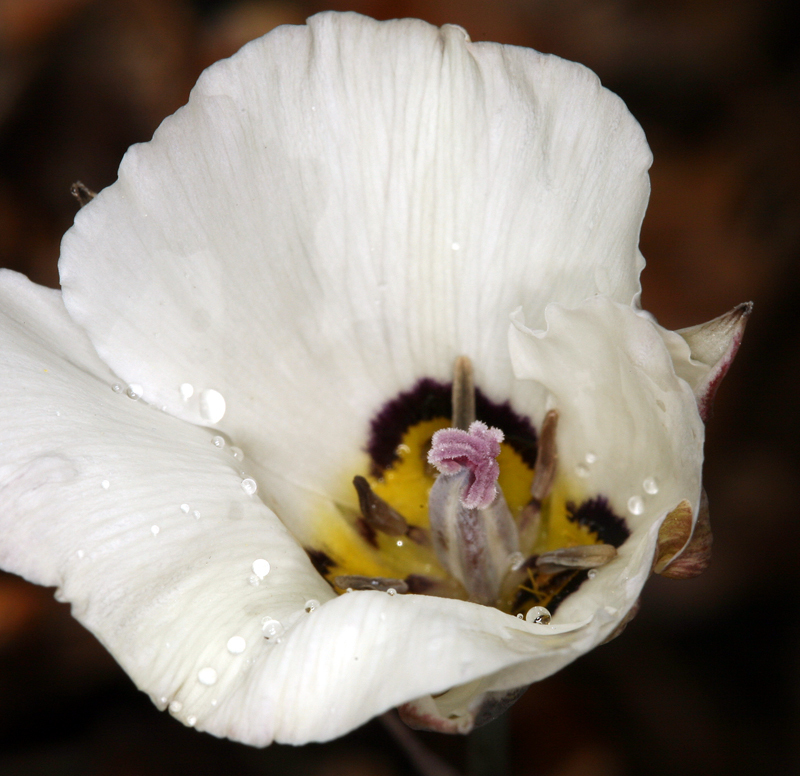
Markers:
(475, 450)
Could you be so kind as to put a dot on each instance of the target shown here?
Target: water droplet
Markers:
(212, 405)
(391, 591)
(261, 568)
(187, 391)
(236, 645)
(399, 542)
(249, 486)
(196, 514)
(612, 610)
(635, 505)
(516, 561)
(117, 388)
(271, 628)
(191, 721)
(254, 580)
(214, 702)
(520, 616)
(176, 707)
(134, 391)
(349, 590)
(590, 458)
(591, 573)
(455, 246)
(218, 441)
(237, 453)
(163, 700)
(154, 529)
(207, 676)
(311, 604)
(582, 470)
(650, 486)
(538, 615)
(105, 484)
(80, 553)
(185, 509)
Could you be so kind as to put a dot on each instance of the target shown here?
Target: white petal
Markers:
(342, 209)
(177, 606)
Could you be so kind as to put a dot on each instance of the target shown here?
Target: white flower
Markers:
(341, 211)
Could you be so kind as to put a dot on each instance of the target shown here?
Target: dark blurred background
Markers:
(707, 679)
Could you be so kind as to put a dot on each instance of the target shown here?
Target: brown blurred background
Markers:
(707, 679)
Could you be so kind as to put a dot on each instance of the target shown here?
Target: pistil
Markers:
(474, 533)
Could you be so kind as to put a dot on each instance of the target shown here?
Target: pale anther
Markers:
(463, 395)
(546, 458)
(383, 584)
(587, 556)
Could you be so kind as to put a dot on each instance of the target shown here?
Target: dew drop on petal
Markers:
(237, 453)
(134, 391)
(391, 591)
(154, 529)
(582, 470)
(399, 542)
(538, 615)
(455, 246)
(520, 616)
(635, 505)
(187, 391)
(591, 573)
(254, 581)
(311, 604)
(590, 458)
(207, 676)
(80, 553)
(176, 707)
(236, 645)
(261, 568)
(212, 405)
(271, 628)
(196, 514)
(516, 561)
(105, 484)
(185, 509)
(191, 721)
(117, 388)
(650, 486)
(218, 441)
(249, 486)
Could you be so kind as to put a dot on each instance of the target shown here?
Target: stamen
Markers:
(377, 513)
(356, 582)
(546, 458)
(589, 556)
(463, 394)
(476, 450)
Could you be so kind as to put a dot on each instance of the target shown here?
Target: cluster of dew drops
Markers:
(635, 502)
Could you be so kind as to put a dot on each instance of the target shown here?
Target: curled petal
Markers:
(684, 548)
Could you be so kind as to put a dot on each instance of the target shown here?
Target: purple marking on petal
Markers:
(475, 450)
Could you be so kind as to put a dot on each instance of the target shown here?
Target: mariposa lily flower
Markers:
(347, 401)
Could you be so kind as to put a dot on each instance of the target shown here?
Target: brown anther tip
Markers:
(376, 512)
(82, 193)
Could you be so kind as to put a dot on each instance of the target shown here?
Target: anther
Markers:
(463, 395)
(589, 556)
(381, 584)
(376, 512)
(546, 458)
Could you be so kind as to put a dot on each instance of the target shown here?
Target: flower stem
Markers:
(487, 749)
